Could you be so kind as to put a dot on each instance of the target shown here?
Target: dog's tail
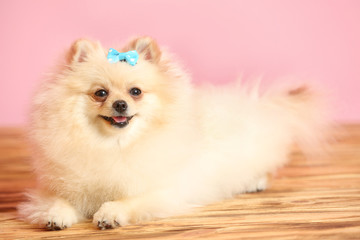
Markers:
(305, 110)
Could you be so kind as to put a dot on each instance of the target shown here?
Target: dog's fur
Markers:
(185, 145)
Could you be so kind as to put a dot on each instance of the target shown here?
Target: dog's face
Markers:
(118, 98)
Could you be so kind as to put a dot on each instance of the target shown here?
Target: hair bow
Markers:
(130, 57)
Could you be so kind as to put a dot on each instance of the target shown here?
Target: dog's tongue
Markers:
(119, 119)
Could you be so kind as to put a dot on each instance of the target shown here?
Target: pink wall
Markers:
(216, 40)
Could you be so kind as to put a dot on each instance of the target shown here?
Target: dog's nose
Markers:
(120, 106)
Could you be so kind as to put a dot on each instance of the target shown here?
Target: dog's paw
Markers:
(53, 225)
(59, 218)
(257, 186)
(112, 215)
(52, 213)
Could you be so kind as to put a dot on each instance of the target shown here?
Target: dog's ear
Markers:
(146, 47)
(80, 50)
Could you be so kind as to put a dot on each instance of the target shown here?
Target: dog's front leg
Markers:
(150, 206)
(50, 211)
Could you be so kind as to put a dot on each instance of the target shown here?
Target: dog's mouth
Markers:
(118, 121)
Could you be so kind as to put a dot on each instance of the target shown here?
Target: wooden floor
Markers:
(317, 199)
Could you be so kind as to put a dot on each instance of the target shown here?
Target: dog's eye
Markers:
(101, 95)
(135, 92)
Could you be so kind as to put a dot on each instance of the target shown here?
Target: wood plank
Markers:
(307, 199)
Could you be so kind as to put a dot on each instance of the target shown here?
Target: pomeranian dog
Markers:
(123, 143)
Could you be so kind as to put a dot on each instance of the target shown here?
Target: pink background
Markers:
(216, 40)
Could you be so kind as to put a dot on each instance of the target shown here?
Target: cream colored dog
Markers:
(124, 144)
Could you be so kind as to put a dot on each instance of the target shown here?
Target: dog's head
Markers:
(118, 98)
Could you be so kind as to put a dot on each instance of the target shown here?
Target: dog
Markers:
(132, 139)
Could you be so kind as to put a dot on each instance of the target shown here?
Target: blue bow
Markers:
(130, 57)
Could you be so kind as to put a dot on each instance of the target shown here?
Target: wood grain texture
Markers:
(307, 199)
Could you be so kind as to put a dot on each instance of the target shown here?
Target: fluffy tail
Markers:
(306, 112)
